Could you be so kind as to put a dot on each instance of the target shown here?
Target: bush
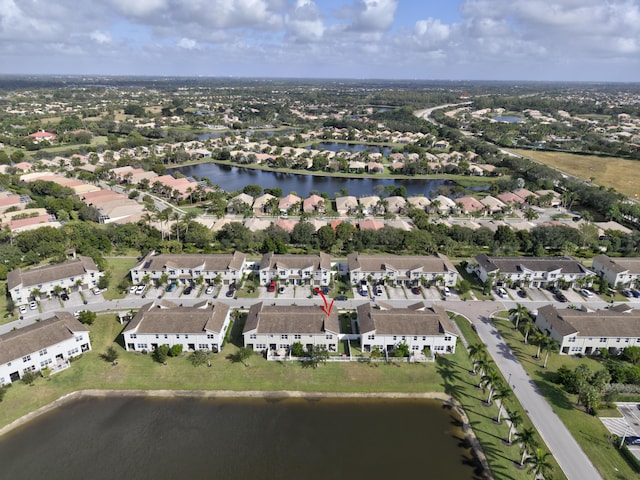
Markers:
(87, 317)
(111, 355)
(28, 378)
(3, 391)
(161, 353)
(297, 350)
(175, 350)
(197, 358)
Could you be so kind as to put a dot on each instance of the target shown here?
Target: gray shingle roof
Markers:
(404, 321)
(50, 273)
(619, 264)
(291, 320)
(152, 319)
(32, 338)
(601, 323)
(316, 262)
(539, 264)
(379, 263)
(208, 262)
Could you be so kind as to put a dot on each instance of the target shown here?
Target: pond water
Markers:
(231, 178)
(508, 119)
(171, 438)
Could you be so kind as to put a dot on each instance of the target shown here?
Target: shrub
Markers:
(175, 350)
(28, 378)
(297, 350)
(161, 353)
(111, 355)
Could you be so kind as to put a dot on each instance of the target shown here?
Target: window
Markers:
(166, 336)
(210, 335)
(203, 346)
(603, 339)
(133, 335)
(253, 336)
(447, 338)
(44, 363)
(576, 349)
(26, 358)
(618, 340)
(571, 339)
(73, 351)
(186, 336)
(142, 346)
(415, 347)
(79, 338)
(371, 337)
(157, 336)
(178, 336)
(260, 346)
(328, 337)
(415, 338)
(284, 336)
(395, 338)
(43, 352)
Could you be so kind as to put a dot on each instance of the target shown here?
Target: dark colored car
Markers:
(561, 297)
(64, 296)
(627, 293)
(341, 298)
(522, 294)
(325, 290)
(415, 290)
(229, 293)
(187, 291)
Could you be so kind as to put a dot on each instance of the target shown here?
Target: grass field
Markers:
(118, 268)
(620, 174)
(589, 432)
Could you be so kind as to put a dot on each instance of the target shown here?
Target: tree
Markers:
(503, 394)
(241, 356)
(401, 350)
(526, 439)
(632, 354)
(297, 350)
(550, 345)
(315, 355)
(111, 355)
(175, 350)
(198, 358)
(161, 353)
(28, 378)
(526, 325)
(3, 391)
(87, 317)
(477, 352)
(490, 380)
(539, 463)
(518, 313)
(515, 419)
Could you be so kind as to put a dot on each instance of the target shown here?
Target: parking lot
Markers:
(627, 426)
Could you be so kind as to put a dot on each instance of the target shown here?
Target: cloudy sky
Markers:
(589, 40)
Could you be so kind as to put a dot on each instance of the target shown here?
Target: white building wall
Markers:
(36, 361)
(417, 343)
(261, 342)
(21, 294)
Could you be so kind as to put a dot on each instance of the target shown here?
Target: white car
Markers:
(77, 313)
(140, 289)
(96, 291)
(23, 309)
(132, 289)
(209, 290)
(446, 291)
(586, 293)
(502, 292)
(33, 305)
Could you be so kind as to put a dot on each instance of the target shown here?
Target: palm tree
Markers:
(539, 340)
(527, 441)
(518, 313)
(162, 217)
(551, 345)
(503, 394)
(491, 379)
(515, 419)
(539, 463)
(477, 352)
(526, 329)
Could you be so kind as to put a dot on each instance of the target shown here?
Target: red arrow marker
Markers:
(327, 307)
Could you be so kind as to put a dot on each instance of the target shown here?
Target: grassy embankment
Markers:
(618, 173)
(588, 430)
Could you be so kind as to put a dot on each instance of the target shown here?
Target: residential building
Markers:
(183, 268)
(401, 270)
(78, 272)
(276, 327)
(587, 333)
(312, 270)
(193, 328)
(419, 327)
(346, 205)
(532, 271)
(290, 202)
(314, 204)
(48, 343)
(261, 204)
(619, 271)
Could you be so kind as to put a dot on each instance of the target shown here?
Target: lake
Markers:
(241, 438)
(231, 178)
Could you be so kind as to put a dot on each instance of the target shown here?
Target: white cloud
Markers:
(371, 15)
(140, 8)
(305, 23)
(100, 37)
(187, 43)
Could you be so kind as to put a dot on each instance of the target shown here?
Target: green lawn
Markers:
(118, 268)
(586, 429)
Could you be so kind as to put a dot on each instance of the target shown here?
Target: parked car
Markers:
(33, 305)
(446, 292)
(627, 293)
(172, 287)
(64, 296)
(586, 293)
(187, 290)
(209, 290)
(416, 290)
(325, 290)
(522, 293)
(379, 290)
(364, 290)
(271, 287)
(140, 289)
(230, 293)
(96, 291)
(132, 289)
(341, 298)
(561, 297)
(502, 293)
(636, 293)
(23, 309)
(232, 286)
(281, 289)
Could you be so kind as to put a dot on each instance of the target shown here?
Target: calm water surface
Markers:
(235, 178)
(136, 438)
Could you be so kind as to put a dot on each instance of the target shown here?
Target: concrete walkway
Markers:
(573, 461)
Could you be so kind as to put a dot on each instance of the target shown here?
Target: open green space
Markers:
(611, 172)
(118, 268)
(588, 430)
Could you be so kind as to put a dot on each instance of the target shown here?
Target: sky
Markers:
(552, 40)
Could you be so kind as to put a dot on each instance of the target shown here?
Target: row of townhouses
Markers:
(314, 270)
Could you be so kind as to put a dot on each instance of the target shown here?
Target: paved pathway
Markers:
(573, 461)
